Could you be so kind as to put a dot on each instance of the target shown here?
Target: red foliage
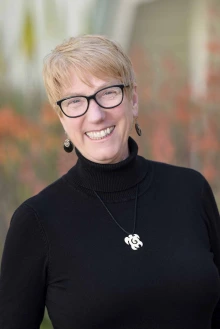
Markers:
(214, 47)
(48, 115)
(168, 110)
(23, 143)
(169, 65)
(162, 146)
(208, 142)
(213, 77)
(27, 176)
(209, 171)
(14, 125)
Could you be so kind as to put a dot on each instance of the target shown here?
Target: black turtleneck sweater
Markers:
(64, 250)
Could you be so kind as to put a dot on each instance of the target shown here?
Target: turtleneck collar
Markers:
(109, 177)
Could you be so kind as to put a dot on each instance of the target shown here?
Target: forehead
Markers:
(79, 86)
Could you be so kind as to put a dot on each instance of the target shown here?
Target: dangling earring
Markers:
(68, 145)
(138, 129)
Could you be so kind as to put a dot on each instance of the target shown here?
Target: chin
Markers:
(106, 156)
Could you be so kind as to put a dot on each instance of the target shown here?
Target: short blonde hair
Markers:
(94, 54)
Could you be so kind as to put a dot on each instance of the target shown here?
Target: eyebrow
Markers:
(105, 85)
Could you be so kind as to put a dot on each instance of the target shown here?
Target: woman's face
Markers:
(111, 148)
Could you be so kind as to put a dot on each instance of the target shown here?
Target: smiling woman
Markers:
(99, 125)
(119, 241)
(99, 86)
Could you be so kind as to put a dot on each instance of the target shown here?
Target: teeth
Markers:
(100, 134)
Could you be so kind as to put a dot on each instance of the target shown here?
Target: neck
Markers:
(109, 177)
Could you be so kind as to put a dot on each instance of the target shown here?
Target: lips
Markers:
(101, 133)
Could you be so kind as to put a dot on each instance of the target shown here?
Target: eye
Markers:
(75, 101)
(110, 92)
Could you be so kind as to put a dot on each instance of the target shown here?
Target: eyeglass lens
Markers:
(106, 98)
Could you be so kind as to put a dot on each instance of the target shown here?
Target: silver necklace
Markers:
(132, 239)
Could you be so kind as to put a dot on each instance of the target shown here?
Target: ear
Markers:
(134, 100)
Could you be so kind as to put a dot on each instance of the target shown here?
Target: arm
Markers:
(213, 223)
(23, 272)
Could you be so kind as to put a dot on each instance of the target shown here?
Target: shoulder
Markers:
(49, 199)
(177, 172)
(26, 226)
(30, 217)
(176, 177)
(173, 171)
(51, 194)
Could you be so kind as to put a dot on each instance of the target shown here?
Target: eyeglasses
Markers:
(107, 98)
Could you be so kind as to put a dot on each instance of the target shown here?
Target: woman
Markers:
(119, 241)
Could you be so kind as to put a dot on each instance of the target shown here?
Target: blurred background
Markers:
(175, 48)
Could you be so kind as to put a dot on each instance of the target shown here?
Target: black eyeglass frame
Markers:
(88, 98)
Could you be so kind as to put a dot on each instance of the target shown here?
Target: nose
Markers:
(95, 113)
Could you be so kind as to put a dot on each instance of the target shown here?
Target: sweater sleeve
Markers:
(213, 223)
(23, 272)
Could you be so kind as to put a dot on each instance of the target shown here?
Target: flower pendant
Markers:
(134, 241)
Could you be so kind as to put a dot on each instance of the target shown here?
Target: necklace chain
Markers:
(132, 239)
(135, 212)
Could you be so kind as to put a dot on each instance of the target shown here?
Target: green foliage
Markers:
(28, 38)
(46, 324)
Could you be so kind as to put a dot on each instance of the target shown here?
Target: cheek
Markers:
(129, 115)
(125, 111)
(70, 125)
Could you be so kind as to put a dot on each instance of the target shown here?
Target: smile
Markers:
(100, 134)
